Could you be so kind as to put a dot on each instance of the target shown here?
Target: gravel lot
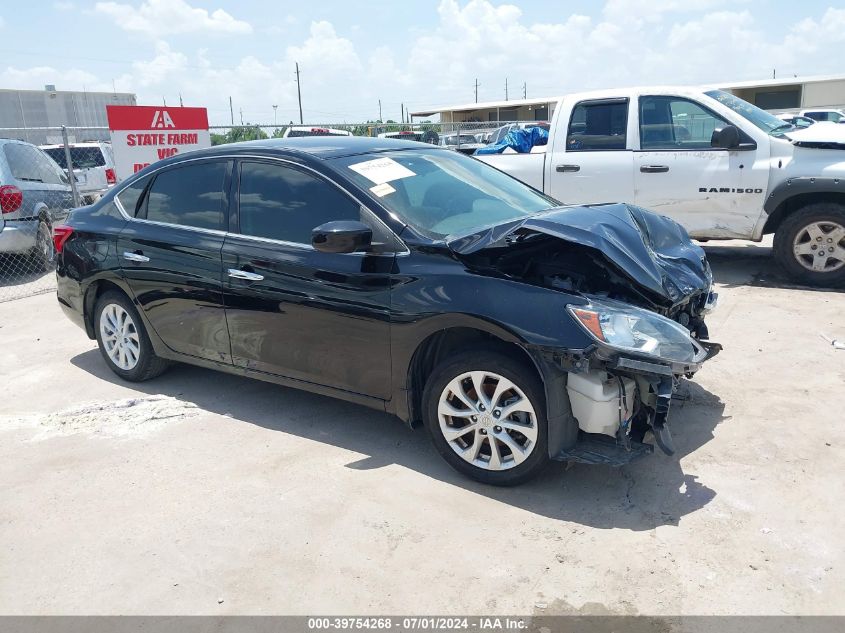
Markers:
(202, 493)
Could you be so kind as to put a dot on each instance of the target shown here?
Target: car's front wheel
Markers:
(44, 253)
(485, 412)
(123, 341)
(810, 244)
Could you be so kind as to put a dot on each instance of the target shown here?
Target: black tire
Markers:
(148, 365)
(44, 253)
(793, 226)
(520, 374)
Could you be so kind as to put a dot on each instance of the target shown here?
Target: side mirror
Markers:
(342, 236)
(725, 138)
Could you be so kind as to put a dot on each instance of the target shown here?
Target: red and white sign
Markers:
(141, 135)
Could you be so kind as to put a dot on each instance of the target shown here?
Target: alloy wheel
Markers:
(119, 337)
(487, 420)
(820, 246)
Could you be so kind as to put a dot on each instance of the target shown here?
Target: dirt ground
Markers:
(202, 493)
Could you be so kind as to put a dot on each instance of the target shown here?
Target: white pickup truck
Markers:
(716, 164)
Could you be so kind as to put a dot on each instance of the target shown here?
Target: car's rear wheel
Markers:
(485, 413)
(810, 244)
(123, 341)
(44, 252)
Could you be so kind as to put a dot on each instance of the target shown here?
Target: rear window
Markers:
(190, 195)
(29, 164)
(82, 157)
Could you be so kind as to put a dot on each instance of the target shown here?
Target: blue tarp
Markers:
(520, 140)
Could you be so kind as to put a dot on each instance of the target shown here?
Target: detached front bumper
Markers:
(638, 405)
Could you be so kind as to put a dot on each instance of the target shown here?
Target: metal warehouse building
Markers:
(22, 112)
(770, 94)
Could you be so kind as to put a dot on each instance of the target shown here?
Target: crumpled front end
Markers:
(644, 289)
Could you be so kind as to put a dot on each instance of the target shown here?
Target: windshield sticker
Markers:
(382, 190)
(381, 170)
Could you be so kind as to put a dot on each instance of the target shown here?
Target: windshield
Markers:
(767, 122)
(443, 193)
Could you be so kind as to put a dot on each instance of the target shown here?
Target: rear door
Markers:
(293, 311)
(170, 255)
(712, 192)
(590, 160)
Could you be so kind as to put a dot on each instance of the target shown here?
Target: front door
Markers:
(712, 192)
(591, 163)
(293, 311)
(170, 255)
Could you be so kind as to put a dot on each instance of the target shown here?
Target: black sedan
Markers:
(402, 277)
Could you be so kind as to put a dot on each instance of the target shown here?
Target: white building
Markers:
(23, 111)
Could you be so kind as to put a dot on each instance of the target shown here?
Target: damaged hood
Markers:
(652, 251)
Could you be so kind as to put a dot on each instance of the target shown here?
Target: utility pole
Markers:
(476, 90)
(274, 115)
(524, 90)
(379, 111)
(506, 88)
(774, 73)
(231, 111)
(180, 101)
(402, 112)
(241, 110)
(298, 93)
(164, 101)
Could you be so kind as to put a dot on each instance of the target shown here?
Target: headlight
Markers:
(632, 329)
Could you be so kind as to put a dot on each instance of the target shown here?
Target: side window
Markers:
(190, 196)
(130, 197)
(285, 203)
(29, 164)
(676, 123)
(598, 125)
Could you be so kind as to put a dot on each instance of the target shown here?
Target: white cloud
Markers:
(158, 18)
(64, 6)
(36, 77)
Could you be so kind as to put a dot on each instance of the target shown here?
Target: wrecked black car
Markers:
(405, 278)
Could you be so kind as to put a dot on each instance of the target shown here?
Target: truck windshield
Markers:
(769, 123)
(442, 193)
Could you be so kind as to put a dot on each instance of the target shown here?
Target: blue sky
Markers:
(420, 52)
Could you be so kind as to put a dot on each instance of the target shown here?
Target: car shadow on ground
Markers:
(648, 493)
(748, 264)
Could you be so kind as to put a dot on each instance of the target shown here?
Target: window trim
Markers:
(742, 135)
(228, 232)
(606, 101)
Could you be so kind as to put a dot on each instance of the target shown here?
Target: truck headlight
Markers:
(631, 329)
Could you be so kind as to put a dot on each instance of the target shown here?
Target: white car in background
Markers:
(796, 119)
(93, 166)
(824, 114)
(465, 143)
(296, 131)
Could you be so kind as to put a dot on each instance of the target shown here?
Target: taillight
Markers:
(110, 177)
(61, 234)
(11, 198)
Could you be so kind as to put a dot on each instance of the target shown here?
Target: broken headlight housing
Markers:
(630, 329)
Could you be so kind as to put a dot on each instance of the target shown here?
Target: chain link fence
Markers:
(37, 192)
(45, 172)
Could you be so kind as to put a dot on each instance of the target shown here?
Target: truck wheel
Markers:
(810, 244)
(486, 415)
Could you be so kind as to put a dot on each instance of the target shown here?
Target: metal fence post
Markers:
(69, 161)
(459, 137)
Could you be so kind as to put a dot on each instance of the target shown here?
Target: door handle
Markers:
(654, 169)
(568, 168)
(237, 273)
(135, 257)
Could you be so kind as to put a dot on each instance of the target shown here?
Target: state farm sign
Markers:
(141, 135)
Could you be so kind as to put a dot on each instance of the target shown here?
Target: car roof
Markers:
(319, 147)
